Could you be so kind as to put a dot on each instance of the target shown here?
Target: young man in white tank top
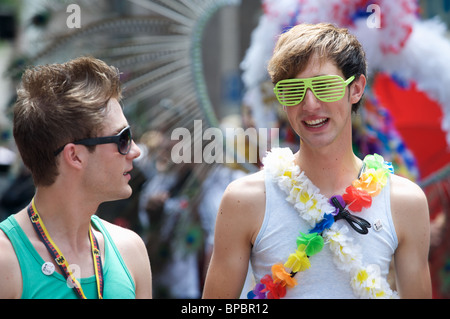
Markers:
(262, 215)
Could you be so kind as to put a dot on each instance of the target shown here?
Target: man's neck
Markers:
(330, 169)
(67, 218)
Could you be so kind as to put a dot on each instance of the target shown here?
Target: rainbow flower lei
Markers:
(321, 214)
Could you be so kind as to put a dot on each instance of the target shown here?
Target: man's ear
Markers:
(73, 155)
(357, 89)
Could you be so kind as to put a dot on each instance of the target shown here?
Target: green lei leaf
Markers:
(374, 161)
(313, 243)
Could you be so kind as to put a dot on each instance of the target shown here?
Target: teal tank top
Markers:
(118, 283)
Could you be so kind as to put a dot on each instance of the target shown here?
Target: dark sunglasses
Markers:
(123, 141)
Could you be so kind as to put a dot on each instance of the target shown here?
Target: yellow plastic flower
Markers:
(280, 275)
(298, 261)
(304, 197)
(307, 201)
(287, 174)
(380, 294)
(362, 276)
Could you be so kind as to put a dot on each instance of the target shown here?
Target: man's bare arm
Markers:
(10, 274)
(412, 222)
(238, 221)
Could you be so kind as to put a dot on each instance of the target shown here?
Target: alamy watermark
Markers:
(213, 145)
(74, 18)
(373, 20)
(76, 272)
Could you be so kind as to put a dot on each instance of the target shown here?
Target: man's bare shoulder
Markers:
(130, 245)
(134, 253)
(406, 192)
(247, 189)
(409, 206)
(10, 276)
(243, 206)
(6, 248)
(123, 238)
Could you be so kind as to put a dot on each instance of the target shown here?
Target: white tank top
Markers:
(281, 226)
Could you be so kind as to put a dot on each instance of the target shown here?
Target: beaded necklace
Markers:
(321, 214)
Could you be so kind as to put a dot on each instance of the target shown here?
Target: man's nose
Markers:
(310, 101)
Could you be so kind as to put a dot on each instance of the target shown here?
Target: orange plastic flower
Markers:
(280, 275)
(371, 182)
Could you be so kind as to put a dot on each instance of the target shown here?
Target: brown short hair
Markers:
(295, 48)
(58, 104)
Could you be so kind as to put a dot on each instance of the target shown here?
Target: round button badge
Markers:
(48, 268)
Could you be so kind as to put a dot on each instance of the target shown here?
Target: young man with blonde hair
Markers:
(73, 136)
(321, 223)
